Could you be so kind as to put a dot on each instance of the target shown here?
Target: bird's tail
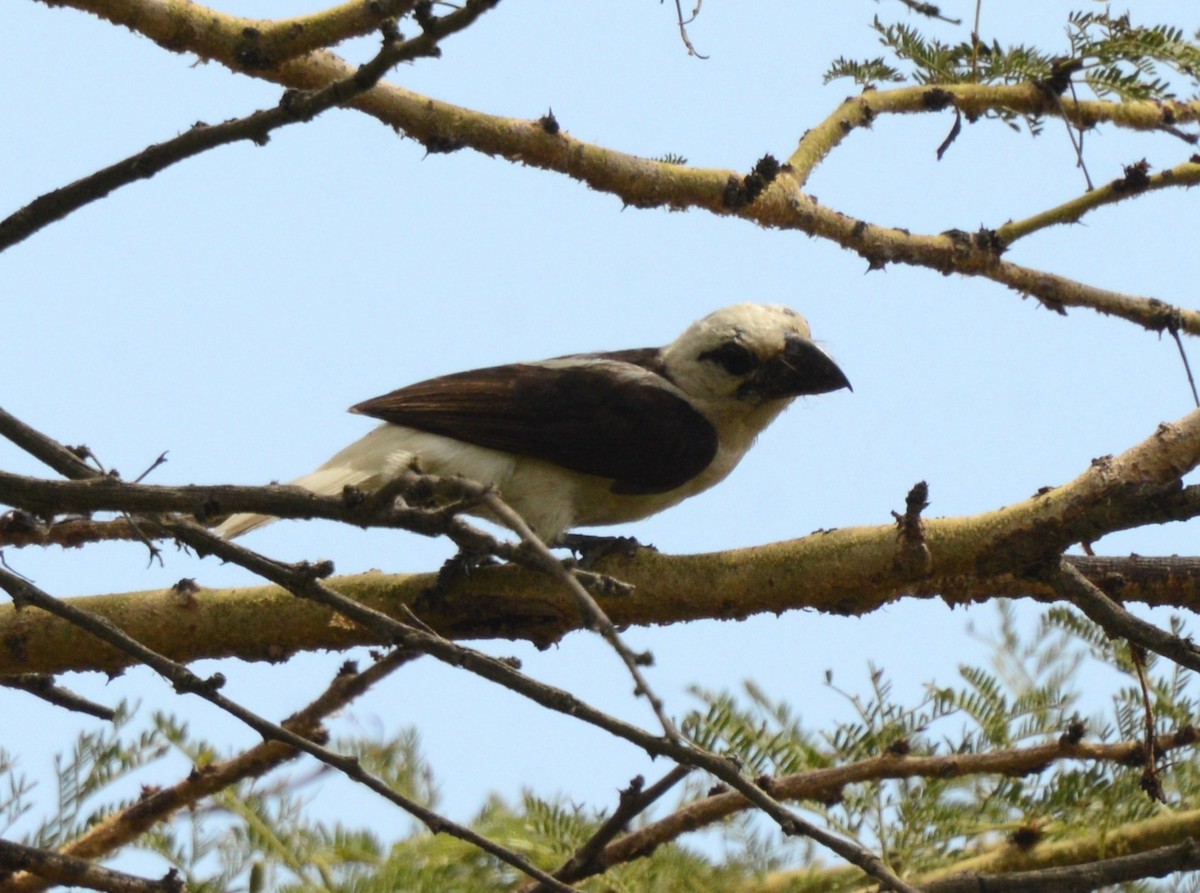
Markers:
(366, 464)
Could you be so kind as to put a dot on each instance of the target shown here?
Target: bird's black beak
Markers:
(801, 369)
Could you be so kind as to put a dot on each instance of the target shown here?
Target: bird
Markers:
(591, 439)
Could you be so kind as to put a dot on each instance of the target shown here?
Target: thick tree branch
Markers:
(974, 101)
(1167, 829)
(1080, 878)
(846, 571)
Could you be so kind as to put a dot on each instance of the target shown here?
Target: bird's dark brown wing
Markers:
(602, 414)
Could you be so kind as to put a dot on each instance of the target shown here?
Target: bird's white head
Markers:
(752, 354)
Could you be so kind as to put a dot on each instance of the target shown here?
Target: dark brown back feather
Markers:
(634, 427)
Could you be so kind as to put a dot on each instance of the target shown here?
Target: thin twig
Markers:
(683, 23)
(68, 871)
(929, 10)
(1186, 365)
(1114, 619)
(594, 615)
(42, 685)
(1151, 783)
(589, 858)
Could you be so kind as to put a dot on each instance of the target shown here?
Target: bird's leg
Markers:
(591, 549)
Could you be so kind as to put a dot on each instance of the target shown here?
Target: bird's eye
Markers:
(734, 358)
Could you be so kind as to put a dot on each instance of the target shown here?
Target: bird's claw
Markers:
(591, 549)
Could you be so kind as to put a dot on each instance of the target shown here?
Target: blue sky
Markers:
(231, 308)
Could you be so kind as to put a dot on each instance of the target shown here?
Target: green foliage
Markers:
(97, 762)
(14, 801)
(1107, 54)
(267, 834)
(1029, 696)
(1124, 61)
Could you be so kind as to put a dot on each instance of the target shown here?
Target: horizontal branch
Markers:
(1081, 877)
(71, 872)
(976, 100)
(845, 571)
(1135, 837)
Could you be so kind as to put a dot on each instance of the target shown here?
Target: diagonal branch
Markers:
(1115, 620)
(66, 462)
(304, 582)
(1134, 183)
(294, 108)
(591, 858)
(41, 685)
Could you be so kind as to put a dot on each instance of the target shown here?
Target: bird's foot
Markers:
(456, 569)
(591, 549)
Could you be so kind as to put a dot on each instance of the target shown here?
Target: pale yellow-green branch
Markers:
(243, 44)
(1186, 174)
(1135, 837)
(847, 571)
(973, 101)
